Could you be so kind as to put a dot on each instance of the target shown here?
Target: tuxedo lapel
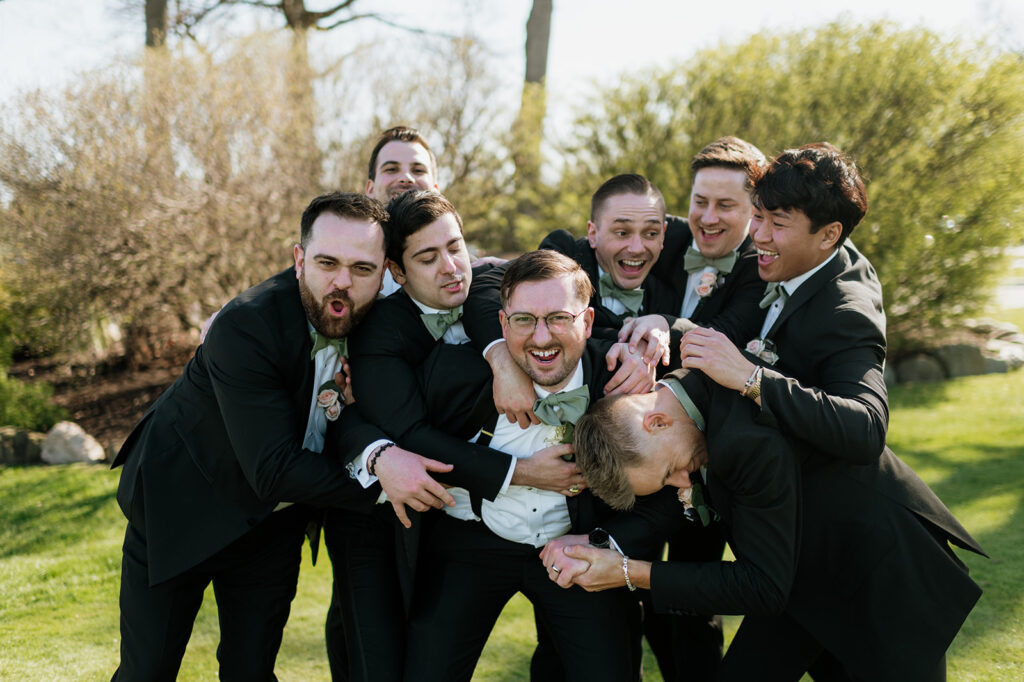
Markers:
(808, 289)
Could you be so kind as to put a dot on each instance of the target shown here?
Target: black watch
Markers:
(599, 538)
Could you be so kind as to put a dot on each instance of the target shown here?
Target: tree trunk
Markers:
(156, 23)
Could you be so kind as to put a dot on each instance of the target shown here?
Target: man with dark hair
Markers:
(373, 566)
(401, 160)
(214, 467)
(849, 559)
(481, 552)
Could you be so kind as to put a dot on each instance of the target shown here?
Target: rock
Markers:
(961, 359)
(68, 442)
(19, 447)
(918, 368)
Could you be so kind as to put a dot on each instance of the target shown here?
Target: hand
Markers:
(605, 570)
(654, 330)
(513, 390)
(713, 353)
(341, 377)
(487, 260)
(561, 569)
(548, 471)
(403, 476)
(633, 376)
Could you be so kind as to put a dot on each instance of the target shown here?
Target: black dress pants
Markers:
(254, 580)
(466, 576)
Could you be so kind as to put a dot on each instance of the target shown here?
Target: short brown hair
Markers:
(731, 152)
(399, 134)
(605, 444)
(344, 205)
(410, 212)
(542, 264)
(626, 183)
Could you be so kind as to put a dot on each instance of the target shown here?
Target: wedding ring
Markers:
(556, 569)
(574, 489)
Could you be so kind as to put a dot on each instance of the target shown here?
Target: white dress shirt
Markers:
(790, 287)
(521, 513)
(691, 298)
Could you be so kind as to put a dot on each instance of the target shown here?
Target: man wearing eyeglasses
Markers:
(482, 552)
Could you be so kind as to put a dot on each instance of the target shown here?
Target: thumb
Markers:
(579, 552)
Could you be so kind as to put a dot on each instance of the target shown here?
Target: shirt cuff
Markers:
(491, 345)
(508, 477)
(357, 468)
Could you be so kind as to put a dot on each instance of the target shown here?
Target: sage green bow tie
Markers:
(320, 342)
(438, 323)
(631, 298)
(694, 260)
(775, 290)
(558, 408)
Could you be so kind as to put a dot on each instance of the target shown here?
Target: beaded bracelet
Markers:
(371, 463)
(625, 572)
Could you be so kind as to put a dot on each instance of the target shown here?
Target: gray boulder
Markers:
(68, 442)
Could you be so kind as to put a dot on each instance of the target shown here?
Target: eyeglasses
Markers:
(558, 322)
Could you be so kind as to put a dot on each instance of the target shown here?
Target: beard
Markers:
(318, 311)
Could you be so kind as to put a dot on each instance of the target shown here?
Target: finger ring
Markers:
(556, 569)
(574, 489)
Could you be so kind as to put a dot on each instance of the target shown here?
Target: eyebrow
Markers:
(435, 248)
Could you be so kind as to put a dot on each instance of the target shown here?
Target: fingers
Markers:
(400, 513)
(626, 331)
(434, 465)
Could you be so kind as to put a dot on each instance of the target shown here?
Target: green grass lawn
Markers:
(61, 531)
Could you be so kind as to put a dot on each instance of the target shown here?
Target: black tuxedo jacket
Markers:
(856, 554)
(458, 387)
(658, 298)
(732, 308)
(826, 387)
(385, 351)
(222, 446)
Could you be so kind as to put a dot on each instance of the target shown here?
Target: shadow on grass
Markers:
(909, 396)
(50, 508)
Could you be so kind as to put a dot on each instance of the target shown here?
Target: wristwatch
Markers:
(599, 538)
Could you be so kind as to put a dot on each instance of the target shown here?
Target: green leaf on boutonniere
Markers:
(563, 435)
(698, 508)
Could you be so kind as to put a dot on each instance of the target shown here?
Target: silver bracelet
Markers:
(625, 573)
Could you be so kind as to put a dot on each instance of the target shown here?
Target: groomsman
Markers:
(815, 366)
(373, 567)
(481, 552)
(213, 467)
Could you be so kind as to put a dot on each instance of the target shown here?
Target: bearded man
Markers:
(216, 473)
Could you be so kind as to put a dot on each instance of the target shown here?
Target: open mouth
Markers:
(453, 286)
(337, 307)
(631, 266)
(766, 257)
(711, 233)
(545, 357)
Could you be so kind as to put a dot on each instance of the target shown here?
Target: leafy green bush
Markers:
(28, 406)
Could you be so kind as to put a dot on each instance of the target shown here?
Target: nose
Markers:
(447, 263)
(757, 231)
(636, 244)
(342, 280)
(710, 216)
(541, 333)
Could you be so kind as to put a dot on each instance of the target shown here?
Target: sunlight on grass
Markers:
(61, 532)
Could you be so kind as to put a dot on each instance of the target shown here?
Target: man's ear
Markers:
(592, 234)
(655, 421)
(369, 188)
(830, 235)
(396, 271)
(300, 259)
(503, 319)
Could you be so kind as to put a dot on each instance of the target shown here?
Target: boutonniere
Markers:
(764, 349)
(563, 435)
(694, 506)
(329, 398)
(709, 281)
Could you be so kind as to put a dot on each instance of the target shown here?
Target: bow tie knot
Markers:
(774, 291)
(631, 298)
(320, 342)
(555, 409)
(694, 260)
(438, 323)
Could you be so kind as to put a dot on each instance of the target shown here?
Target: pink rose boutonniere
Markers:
(708, 282)
(764, 349)
(329, 398)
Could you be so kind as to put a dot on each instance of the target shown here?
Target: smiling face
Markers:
(786, 247)
(401, 166)
(549, 359)
(627, 235)
(339, 272)
(436, 265)
(720, 210)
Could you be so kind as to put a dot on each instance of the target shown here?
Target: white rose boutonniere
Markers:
(329, 398)
(764, 349)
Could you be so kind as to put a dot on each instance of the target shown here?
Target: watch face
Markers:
(599, 537)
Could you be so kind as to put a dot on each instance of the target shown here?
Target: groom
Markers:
(213, 467)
